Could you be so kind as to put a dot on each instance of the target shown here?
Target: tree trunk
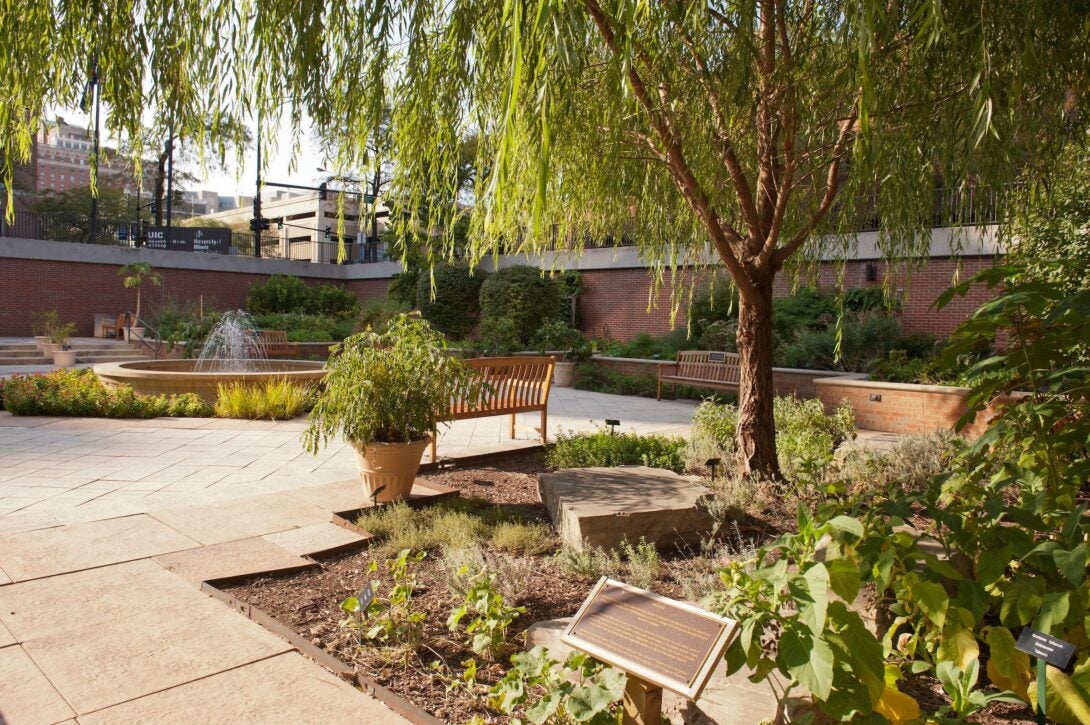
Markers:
(755, 438)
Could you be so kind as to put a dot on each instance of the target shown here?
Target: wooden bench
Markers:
(508, 386)
(701, 369)
(276, 345)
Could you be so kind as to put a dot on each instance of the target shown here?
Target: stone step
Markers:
(8, 353)
(25, 361)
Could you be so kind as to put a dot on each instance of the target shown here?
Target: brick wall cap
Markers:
(845, 381)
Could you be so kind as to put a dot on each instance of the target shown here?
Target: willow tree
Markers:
(739, 133)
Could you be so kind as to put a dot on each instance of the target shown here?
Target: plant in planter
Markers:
(43, 324)
(57, 338)
(134, 275)
(386, 392)
(568, 345)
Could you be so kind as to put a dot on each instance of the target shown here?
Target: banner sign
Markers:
(210, 240)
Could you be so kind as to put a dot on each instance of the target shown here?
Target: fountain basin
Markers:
(155, 377)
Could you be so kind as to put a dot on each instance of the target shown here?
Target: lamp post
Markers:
(170, 173)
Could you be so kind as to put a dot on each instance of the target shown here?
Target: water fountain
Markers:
(232, 353)
(233, 346)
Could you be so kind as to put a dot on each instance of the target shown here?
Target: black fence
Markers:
(77, 228)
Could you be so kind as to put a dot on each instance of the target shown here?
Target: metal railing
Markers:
(61, 227)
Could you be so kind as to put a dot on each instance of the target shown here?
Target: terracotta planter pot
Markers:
(390, 466)
(64, 358)
(563, 373)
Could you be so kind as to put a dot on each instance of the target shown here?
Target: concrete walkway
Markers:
(108, 527)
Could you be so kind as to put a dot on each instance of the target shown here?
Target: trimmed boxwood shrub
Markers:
(284, 294)
(455, 307)
(522, 294)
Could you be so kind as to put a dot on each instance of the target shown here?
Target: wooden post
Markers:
(642, 703)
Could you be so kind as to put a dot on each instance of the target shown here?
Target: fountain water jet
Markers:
(232, 353)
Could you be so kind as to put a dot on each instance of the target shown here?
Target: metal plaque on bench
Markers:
(664, 642)
(717, 357)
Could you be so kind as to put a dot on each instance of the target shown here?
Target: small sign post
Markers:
(659, 642)
(1048, 650)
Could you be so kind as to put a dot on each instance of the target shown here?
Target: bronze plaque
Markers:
(662, 641)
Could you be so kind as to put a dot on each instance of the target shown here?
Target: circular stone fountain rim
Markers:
(145, 369)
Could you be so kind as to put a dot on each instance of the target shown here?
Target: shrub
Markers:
(605, 380)
(331, 300)
(377, 314)
(403, 288)
(590, 562)
(70, 392)
(864, 338)
(557, 336)
(511, 575)
(489, 614)
(499, 336)
(526, 539)
(586, 450)
(805, 435)
(273, 400)
(522, 294)
(279, 293)
(456, 304)
(643, 563)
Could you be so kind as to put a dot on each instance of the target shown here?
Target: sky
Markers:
(237, 181)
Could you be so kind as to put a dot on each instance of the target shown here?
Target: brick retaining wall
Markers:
(900, 407)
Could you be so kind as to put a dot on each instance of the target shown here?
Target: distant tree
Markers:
(66, 215)
(134, 275)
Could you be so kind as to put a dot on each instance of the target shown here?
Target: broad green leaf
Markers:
(898, 707)
(1008, 668)
(1021, 600)
(958, 645)
(1072, 564)
(808, 659)
(932, 600)
(817, 583)
(847, 524)
(844, 579)
(1054, 608)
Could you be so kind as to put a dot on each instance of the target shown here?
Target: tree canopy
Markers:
(727, 132)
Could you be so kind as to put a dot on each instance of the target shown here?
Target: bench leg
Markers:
(512, 431)
(658, 390)
(544, 426)
(434, 443)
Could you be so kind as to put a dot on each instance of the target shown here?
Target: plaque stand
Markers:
(642, 703)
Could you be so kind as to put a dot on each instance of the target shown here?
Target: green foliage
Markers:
(403, 288)
(278, 294)
(66, 215)
(601, 379)
(390, 386)
(44, 321)
(284, 294)
(806, 437)
(605, 449)
(511, 575)
(454, 307)
(643, 563)
(499, 336)
(523, 295)
(579, 690)
(271, 400)
(558, 336)
(525, 539)
(863, 338)
(590, 562)
(455, 523)
(489, 615)
(377, 314)
(70, 392)
(61, 332)
(303, 327)
(391, 620)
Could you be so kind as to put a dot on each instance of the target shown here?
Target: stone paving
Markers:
(107, 528)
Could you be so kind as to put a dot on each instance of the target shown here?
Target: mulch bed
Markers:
(309, 602)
